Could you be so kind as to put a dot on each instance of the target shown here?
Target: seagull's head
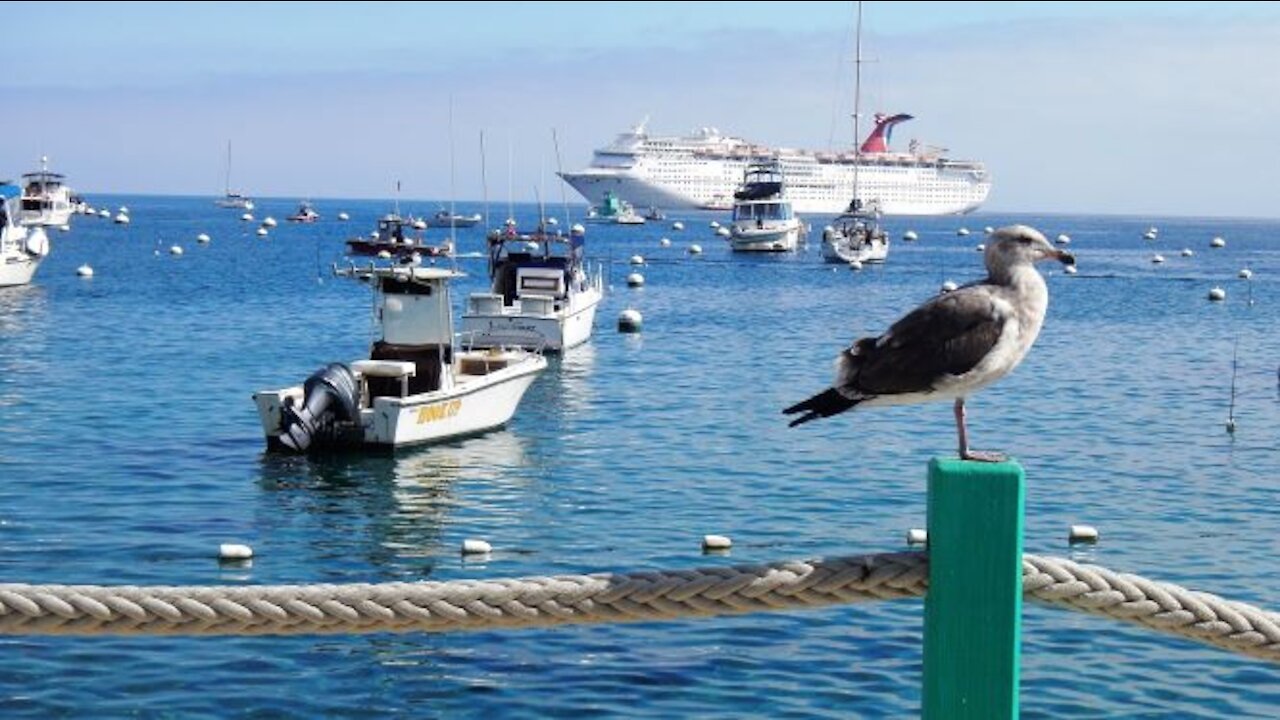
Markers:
(1017, 245)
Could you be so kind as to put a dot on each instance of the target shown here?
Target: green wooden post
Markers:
(973, 610)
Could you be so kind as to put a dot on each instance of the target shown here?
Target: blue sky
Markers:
(1109, 107)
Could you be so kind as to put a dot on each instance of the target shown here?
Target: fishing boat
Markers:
(541, 292)
(396, 237)
(22, 248)
(762, 217)
(304, 214)
(46, 199)
(446, 219)
(419, 385)
(855, 236)
(615, 210)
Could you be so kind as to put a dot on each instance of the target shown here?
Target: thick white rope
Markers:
(645, 596)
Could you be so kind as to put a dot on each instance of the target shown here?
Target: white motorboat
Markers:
(542, 293)
(304, 214)
(855, 235)
(615, 210)
(232, 200)
(418, 386)
(46, 199)
(21, 247)
(446, 219)
(762, 218)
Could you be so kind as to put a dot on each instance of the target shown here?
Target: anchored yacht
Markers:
(22, 248)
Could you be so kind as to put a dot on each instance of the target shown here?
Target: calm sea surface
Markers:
(130, 449)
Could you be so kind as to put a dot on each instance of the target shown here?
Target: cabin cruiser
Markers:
(762, 217)
(856, 236)
(541, 293)
(419, 385)
(397, 237)
(46, 199)
(21, 247)
(613, 209)
(304, 214)
(446, 219)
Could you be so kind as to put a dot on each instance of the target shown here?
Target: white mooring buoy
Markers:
(1187, 252)
(1245, 274)
(473, 546)
(637, 259)
(1157, 258)
(1217, 294)
(948, 286)
(175, 249)
(695, 249)
(635, 280)
(629, 321)
(962, 232)
(716, 542)
(715, 225)
(988, 230)
(1082, 534)
(232, 551)
(723, 232)
(262, 232)
(855, 264)
(578, 229)
(677, 225)
(981, 247)
(1070, 269)
(269, 222)
(202, 238)
(917, 536)
(84, 271)
(665, 242)
(247, 217)
(1064, 239)
(1217, 242)
(910, 236)
(343, 216)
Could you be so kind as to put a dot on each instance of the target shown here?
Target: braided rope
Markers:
(643, 596)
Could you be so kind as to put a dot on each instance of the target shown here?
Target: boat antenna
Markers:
(397, 198)
(484, 183)
(511, 212)
(453, 189)
(564, 200)
(227, 185)
(857, 106)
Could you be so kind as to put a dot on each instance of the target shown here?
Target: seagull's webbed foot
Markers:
(983, 456)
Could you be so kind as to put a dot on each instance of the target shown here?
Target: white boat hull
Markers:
(840, 250)
(567, 324)
(18, 269)
(472, 405)
(747, 237)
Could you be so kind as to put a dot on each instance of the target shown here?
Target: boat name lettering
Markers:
(438, 411)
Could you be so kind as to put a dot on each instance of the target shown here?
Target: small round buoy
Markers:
(269, 222)
(384, 254)
(578, 229)
(981, 247)
(665, 242)
(723, 232)
(917, 536)
(122, 219)
(677, 225)
(104, 213)
(247, 217)
(1149, 235)
(948, 286)
(855, 264)
(716, 542)
(1217, 242)
(695, 249)
(715, 225)
(343, 216)
(1064, 239)
(84, 271)
(1157, 259)
(1082, 534)
(1070, 269)
(962, 232)
(419, 224)
(635, 280)
(175, 249)
(64, 228)
(1231, 426)
(988, 230)
(472, 546)
(629, 321)
(1186, 252)
(1217, 294)
(262, 232)
(552, 221)
(910, 236)
(637, 260)
(231, 551)
(202, 238)
(1245, 274)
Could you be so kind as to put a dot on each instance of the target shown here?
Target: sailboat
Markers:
(855, 235)
(232, 200)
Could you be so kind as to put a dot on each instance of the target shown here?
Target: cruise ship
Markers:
(701, 170)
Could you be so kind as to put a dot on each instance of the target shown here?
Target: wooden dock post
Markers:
(973, 609)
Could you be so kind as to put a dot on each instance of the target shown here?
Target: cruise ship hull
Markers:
(901, 190)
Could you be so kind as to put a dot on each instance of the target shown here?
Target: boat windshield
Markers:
(762, 211)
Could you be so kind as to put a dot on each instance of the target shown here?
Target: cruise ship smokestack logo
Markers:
(878, 141)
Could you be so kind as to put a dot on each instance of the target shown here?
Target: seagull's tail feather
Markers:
(825, 404)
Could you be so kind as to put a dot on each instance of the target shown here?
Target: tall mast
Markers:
(227, 188)
(857, 104)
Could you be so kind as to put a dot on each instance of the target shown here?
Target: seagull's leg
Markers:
(962, 431)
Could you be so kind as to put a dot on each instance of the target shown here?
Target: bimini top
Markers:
(8, 191)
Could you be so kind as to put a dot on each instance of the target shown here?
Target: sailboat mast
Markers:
(227, 185)
(857, 104)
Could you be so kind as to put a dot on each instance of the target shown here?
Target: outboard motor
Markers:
(329, 415)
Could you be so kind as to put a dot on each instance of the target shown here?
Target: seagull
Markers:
(953, 345)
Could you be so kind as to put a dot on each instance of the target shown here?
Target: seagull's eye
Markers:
(1024, 240)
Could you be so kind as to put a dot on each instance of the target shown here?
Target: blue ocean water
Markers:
(130, 449)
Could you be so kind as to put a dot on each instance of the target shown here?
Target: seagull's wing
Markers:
(948, 335)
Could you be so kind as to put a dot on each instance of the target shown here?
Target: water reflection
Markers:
(23, 338)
